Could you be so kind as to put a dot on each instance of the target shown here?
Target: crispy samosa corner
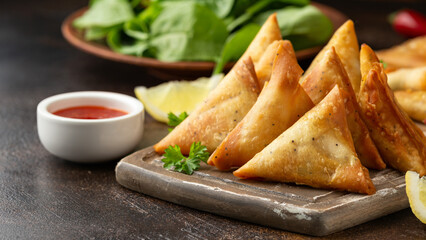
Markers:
(327, 73)
(317, 151)
(400, 142)
(345, 42)
(219, 113)
(268, 33)
(263, 48)
(281, 103)
(264, 66)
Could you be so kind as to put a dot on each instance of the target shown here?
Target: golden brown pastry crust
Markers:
(400, 142)
(219, 113)
(408, 78)
(268, 33)
(409, 54)
(317, 151)
(281, 103)
(264, 66)
(413, 103)
(345, 42)
(327, 73)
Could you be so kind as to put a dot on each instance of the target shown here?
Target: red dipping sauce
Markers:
(89, 112)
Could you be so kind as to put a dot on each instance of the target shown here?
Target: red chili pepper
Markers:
(409, 23)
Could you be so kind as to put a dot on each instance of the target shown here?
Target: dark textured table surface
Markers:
(43, 197)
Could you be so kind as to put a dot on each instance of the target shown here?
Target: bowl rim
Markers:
(42, 107)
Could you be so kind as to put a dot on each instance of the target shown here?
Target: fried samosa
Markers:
(327, 73)
(219, 113)
(264, 66)
(281, 103)
(408, 78)
(400, 142)
(409, 54)
(345, 42)
(317, 151)
(268, 33)
(413, 103)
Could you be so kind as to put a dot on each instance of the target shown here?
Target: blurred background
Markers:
(31, 39)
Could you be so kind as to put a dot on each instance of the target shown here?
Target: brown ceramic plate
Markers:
(166, 70)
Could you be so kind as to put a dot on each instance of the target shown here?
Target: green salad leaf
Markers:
(98, 33)
(147, 16)
(260, 6)
(235, 45)
(304, 26)
(136, 29)
(186, 31)
(221, 8)
(131, 47)
(105, 13)
(198, 30)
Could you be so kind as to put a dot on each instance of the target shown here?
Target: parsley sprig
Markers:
(175, 120)
(174, 160)
(385, 65)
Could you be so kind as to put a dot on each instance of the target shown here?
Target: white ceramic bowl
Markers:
(90, 140)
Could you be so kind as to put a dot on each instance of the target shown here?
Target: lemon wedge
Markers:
(175, 96)
(416, 192)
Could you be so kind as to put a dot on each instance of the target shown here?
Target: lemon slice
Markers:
(175, 96)
(416, 192)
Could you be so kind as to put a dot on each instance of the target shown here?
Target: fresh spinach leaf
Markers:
(136, 3)
(139, 26)
(97, 33)
(221, 8)
(240, 7)
(129, 47)
(235, 45)
(304, 26)
(186, 31)
(150, 13)
(136, 29)
(260, 6)
(105, 13)
(197, 30)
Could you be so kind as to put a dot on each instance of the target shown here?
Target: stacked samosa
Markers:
(223, 108)
(317, 151)
(345, 42)
(400, 142)
(281, 103)
(281, 136)
(327, 73)
(230, 101)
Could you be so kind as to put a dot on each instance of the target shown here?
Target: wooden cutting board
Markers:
(285, 206)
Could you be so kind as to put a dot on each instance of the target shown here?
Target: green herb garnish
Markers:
(175, 120)
(174, 160)
(384, 64)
